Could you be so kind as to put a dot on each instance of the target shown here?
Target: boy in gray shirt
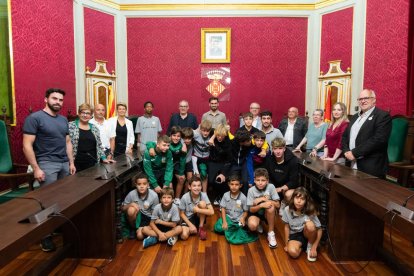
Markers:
(148, 127)
(139, 204)
(164, 221)
(263, 200)
(194, 207)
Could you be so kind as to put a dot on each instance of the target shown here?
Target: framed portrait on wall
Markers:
(215, 45)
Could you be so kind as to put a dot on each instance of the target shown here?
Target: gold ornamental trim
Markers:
(186, 7)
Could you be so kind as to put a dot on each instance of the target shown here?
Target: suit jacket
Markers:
(299, 130)
(371, 143)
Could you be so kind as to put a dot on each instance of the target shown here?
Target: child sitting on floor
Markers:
(302, 229)
(263, 200)
(233, 214)
(138, 205)
(164, 221)
(194, 207)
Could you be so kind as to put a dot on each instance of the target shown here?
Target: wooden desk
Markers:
(88, 202)
(357, 216)
(310, 177)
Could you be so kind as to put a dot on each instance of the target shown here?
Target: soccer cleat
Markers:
(171, 241)
(271, 239)
(149, 241)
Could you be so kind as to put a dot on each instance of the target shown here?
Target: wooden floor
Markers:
(212, 257)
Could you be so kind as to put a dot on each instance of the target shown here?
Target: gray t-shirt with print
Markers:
(235, 207)
(146, 204)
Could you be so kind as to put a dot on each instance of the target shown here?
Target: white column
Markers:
(358, 52)
(121, 57)
(313, 61)
(79, 40)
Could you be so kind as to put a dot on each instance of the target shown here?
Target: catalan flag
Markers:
(111, 103)
(328, 107)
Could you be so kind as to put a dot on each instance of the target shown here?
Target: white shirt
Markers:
(289, 133)
(356, 127)
(103, 132)
(130, 129)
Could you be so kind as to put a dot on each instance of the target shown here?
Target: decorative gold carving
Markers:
(99, 84)
(340, 83)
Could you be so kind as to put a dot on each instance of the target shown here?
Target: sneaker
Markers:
(259, 229)
(271, 239)
(217, 201)
(47, 244)
(308, 250)
(177, 201)
(202, 233)
(171, 241)
(149, 241)
(282, 207)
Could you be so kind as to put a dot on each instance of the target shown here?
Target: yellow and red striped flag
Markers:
(111, 103)
(328, 108)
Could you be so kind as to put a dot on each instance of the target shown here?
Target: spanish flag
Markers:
(111, 103)
(328, 108)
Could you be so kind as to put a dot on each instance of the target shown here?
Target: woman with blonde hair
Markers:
(122, 135)
(86, 141)
(339, 123)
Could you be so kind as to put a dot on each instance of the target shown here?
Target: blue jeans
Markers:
(53, 171)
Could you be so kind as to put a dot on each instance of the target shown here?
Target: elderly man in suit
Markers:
(365, 141)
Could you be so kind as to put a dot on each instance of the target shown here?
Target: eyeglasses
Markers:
(86, 113)
(184, 106)
(364, 99)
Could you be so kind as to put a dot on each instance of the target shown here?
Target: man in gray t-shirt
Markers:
(46, 142)
(47, 146)
(148, 128)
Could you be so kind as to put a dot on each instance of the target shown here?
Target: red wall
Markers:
(43, 51)
(386, 53)
(268, 61)
(99, 38)
(336, 38)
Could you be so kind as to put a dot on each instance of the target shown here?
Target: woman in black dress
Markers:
(87, 150)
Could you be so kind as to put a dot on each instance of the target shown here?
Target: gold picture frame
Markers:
(215, 45)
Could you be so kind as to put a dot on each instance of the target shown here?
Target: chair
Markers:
(9, 174)
(401, 146)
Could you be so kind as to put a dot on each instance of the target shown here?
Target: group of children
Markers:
(235, 166)
(241, 217)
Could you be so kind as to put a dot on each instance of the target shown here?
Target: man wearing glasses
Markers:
(255, 110)
(183, 118)
(365, 141)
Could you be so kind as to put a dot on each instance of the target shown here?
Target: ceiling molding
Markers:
(244, 6)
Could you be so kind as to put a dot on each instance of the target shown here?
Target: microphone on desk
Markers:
(108, 174)
(41, 215)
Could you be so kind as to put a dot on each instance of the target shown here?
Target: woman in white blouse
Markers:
(121, 136)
